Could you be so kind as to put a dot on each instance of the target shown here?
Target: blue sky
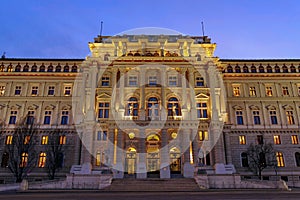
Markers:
(63, 28)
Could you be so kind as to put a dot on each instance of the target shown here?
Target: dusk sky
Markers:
(63, 28)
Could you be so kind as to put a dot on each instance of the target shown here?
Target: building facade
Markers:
(156, 106)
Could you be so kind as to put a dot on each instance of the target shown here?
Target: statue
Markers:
(174, 110)
(130, 110)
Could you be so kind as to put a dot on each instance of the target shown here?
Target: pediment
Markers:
(202, 96)
(104, 96)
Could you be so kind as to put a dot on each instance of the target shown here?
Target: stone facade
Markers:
(155, 106)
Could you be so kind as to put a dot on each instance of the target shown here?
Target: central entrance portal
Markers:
(175, 161)
(153, 156)
(131, 161)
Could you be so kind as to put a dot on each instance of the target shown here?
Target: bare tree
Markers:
(21, 150)
(55, 152)
(260, 157)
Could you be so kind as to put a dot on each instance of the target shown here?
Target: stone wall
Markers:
(234, 182)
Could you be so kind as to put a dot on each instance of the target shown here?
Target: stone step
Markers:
(182, 184)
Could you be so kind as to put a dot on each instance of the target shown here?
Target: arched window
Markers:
(253, 69)
(244, 159)
(245, 69)
(18, 68)
(285, 69)
(261, 69)
(2, 68)
(229, 69)
(269, 69)
(42, 160)
(132, 107)
(106, 57)
(24, 159)
(74, 68)
(299, 68)
(42, 68)
(34, 68)
(173, 107)
(58, 68)
(50, 68)
(152, 108)
(293, 68)
(277, 69)
(26, 68)
(5, 158)
(66, 68)
(137, 54)
(237, 69)
(297, 159)
(280, 160)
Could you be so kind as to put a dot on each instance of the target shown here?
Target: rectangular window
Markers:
(273, 117)
(260, 139)
(285, 91)
(269, 91)
(172, 80)
(290, 117)
(256, 117)
(132, 80)
(152, 80)
(202, 110)
(8, 139)
(236, 91)
(62, 139)
(277, 139)
(34, 90)
(24, 159)
(280, 160)
(47, 117)
(199, 82)
(68, 90)
(18, 90)
(242, 139)
(51, 90)
(64, 117)
(239, 117)
(298, 90)
(102, 135)
(252, 91)
(295, 139)
(42, 160)
(103, 110)
(2, 90)
(30, 117)
(13, 117)
(44, 139)
(203, 135)
(105, 81)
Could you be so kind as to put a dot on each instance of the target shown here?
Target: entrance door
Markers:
(153, 156)
(131, 161)
(175, 161)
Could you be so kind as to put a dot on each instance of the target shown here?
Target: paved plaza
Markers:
(203, 195)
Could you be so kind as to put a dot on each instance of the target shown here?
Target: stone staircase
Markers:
(154, 184)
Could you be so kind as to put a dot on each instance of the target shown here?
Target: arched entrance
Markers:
(153, 156)
(131, 161)
(175, 160)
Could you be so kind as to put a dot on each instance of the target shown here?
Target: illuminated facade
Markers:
(156, 106)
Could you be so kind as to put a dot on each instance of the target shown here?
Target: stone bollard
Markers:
(24, 185)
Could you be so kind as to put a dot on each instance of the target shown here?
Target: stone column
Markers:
(121, 93)
(188, 169)
(91, 104)
(164, 156)
(141, 163)
(163, 115)
(184, 95)
(191, 85)
(142, 114)
(87, 143)
(118, 170)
